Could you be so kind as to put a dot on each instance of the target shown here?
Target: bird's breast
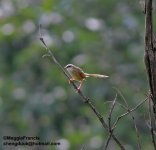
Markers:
(76, 74)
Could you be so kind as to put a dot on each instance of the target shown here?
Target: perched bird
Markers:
(78, 74)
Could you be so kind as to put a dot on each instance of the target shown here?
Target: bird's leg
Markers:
(78, 89)
(71, 80)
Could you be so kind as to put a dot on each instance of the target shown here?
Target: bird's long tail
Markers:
(96, 75)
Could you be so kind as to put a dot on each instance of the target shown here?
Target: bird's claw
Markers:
(78, 90)
(70, 80)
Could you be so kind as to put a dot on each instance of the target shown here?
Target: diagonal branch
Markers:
(134, 122)
(127, 113)
(85, 99)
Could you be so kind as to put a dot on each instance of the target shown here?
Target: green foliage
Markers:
(99, 36)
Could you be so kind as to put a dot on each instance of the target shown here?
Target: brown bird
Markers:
(78, 74)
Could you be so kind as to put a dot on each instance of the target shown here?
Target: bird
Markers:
(77, 74)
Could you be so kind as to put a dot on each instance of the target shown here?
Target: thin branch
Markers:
(85, 99)
(111, 111)
(108, 140)
(135, 126)
(120, 117)
(127, 113)
(148, 124)
(109, 122)
(137, 132)
(117, 103)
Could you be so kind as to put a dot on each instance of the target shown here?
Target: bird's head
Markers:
(69, 66)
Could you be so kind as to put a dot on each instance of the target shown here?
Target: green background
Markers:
(100, 36)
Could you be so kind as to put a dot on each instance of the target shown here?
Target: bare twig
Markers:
(127, 113)
(109, 122)
(84, 98)
(135, 126)
(108, 139)
(117, 103)
(111, 111)
(137, 132)
(148, 124)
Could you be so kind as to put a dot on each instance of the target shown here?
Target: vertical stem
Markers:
(150, 53)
